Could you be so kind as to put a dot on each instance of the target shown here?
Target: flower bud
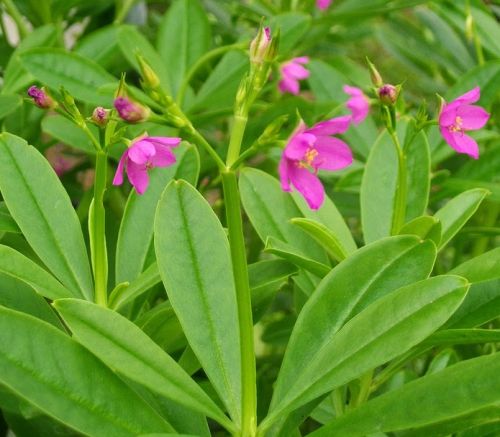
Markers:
(41, 98)
(374, 74)
(150, 78)
(100, 116)
(388, 94)
(259, 45)
(132, 112)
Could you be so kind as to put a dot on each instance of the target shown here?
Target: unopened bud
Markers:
(150, 78)
(100, 116)
(132, 112)
(259, 45)
(388, 94)
(374, 74)
(41, 98)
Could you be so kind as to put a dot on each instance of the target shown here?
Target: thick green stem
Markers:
(12, 10)
(98, 231)
(240, 273)
(237, 132)
(401, 189)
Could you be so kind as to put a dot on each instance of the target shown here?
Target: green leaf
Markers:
(293, 26)
(132, 42)
(425, 227)
(270, 210)
(193, 257)
(187, 24)
(65, 381)
(9, 103)
(41, 207)
(136, 230)
(382, 331)
(80, 76)
(13, 263)
(449, 337)
(480, 268)
(101, 46)
(7, 223)
(468, 390)
(66, 131)
(326, 82)
(457, 212)
(122, 346)
(379, 269)
(287, 252)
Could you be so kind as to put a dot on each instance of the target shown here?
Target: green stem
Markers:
(237, 132)
(201, 141)
(98, 231)
(17, 17)
(122, 11)
(240, 273)
(364, 391)
(200, 63)
(401, 188)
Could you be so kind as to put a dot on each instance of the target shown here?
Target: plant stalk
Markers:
(399, 217)
(233, 153)
(13, 11)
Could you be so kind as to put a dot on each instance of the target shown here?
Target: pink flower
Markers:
(323, 4)
(132, 112)
(310, 150)
(291, 72)
(459, 116)
(143, 154)
(358, 104)
(259, 45)
(41, 98)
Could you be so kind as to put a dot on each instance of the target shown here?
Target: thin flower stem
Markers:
(98, 231)
(200, 63)
(17, 17)
(201, 141)
(237, 132)
(243, 297)
(399, 216)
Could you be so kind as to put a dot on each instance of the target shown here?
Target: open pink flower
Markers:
(143, 154)
(358, 104)
(310, 150)
(323, 4)
(291, 72)
(459, 116)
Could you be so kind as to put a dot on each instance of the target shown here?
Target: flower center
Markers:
(457, 126)
(308, 158)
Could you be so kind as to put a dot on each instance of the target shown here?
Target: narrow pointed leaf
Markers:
(42, 209)
(194, 262)
(425, 227)
(484, 267)
(65, 381)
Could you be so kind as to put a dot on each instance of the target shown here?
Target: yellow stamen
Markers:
(457, 126)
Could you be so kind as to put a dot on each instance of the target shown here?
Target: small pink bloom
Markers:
(310, 150)
(132, 112)
(323, 4)
(358, 104)
(143, 154)
(100, 116)
(291, 72)
(459, 116)
(41, 98)
(259, 45)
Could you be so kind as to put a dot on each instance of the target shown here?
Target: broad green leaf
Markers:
(102, 47)
(193, 257)
(480, 268)
(42, 209)
(15, 264)
(80, 76)
(187, 24)
(287, 252)
(132, 42)
(66, 131)
(220, 88)
(446, 400)
(136, 230)
(323, 236)
(9, 103)
(379, 269)
(381, 332)
(270, 210)
(65, 381)
(448, 337)
(293, 26)
(122, 346)
(425, 227)
(457, 212)
(7, 223)
(326, 82)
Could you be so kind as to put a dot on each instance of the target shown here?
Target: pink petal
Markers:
(448, 115)
(118, 179)
(333, 154)
(301, 60)
(138, 176)
(473, 117)
(471, 96)
(298, 145)
(166, 141)
(141, 151)
(309, 185)
(294, 70)
(352, 91)
(333, 126)
(163, 157)
(323, 4)
(465, 144)
(287, 85)
(359, 107)
(283, 171)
